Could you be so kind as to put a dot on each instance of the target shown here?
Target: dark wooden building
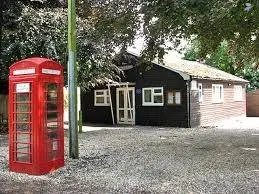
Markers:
(186, 94)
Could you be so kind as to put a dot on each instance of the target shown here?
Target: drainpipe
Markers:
(188, 87)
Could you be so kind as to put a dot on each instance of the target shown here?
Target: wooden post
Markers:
(72, 87)
(129, 103)
(109, 89)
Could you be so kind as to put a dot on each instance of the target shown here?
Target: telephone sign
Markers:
(22, 88)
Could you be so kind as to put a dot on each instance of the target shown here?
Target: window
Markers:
(22, 123)
(174, 97)
(238, 93)
(193, 85)
(152, 96)
(217, 93)
(101, 98)
(200, 90)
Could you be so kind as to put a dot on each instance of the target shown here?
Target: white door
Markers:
(125, 105)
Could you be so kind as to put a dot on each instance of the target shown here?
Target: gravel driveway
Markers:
(149, 160)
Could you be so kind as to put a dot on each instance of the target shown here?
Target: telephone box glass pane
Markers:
(52, 106)
(23, 107)
(22, 97)
(52, 116)
(23, 138)
(23, 157)
(23, 117)
(24, 148)
(55, 145)
(53, 150)
(52, 92)
(52, 135)
(23, 127)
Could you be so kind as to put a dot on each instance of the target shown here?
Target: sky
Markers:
(172, 56)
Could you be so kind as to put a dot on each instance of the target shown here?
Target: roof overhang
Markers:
(182, 74)
(223, 80)
(114, 83)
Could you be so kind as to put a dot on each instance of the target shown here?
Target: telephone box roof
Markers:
(36, 65)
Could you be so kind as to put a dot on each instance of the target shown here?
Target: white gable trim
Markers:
(184, 75)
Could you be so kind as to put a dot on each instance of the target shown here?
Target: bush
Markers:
(3, 127)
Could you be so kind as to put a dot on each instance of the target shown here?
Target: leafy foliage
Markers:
(43, 32)
(192, 53)
(224, 60)
(39, 28)
(253, 76)
(210, 21)
(3, 127)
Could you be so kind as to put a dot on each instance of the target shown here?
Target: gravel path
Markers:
(149, 160)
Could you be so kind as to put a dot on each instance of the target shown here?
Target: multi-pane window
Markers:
(22, 103)
(217, 93)
(238, 93)
(152, 96)
(52, 121)
(174, 97)
(101, 98)
(200, 90)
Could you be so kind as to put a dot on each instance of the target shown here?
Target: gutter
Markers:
(188, 87)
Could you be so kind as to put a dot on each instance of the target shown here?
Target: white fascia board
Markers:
(182, 74)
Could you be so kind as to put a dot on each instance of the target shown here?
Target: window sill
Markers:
(102, 105)
(152, 104)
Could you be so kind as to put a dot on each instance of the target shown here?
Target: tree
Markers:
(224, 60)
(43, 32)
(210, 21)
(106, 26)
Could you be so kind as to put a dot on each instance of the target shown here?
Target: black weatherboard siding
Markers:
(152, 76)
(166, 115)
(97, 114)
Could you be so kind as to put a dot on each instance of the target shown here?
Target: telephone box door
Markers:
(22, 122)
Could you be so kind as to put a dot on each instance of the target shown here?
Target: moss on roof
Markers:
(202, 71)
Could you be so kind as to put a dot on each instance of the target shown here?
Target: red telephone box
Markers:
(36, 131)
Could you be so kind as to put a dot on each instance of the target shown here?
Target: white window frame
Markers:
(171, 100)
(105, 95)
(194, 85)
(200, 92)
(153, 94)
(238, 93)
(216, 96)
